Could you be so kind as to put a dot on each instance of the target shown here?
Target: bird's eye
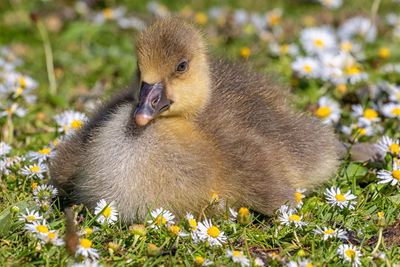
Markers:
(182, 67)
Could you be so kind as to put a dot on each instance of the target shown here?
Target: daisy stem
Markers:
(23, 186)
(49, 57)
(374, 11)
(165, 242)
(379, 241)
(136, 238)
(245, 243)
(10, 129)
(296, 237)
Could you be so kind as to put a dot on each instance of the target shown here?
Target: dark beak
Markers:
(152, 101)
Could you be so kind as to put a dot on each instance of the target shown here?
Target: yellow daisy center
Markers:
(193, 223)
(42, 228)
(307, 68)
(108, 13)
(86, 243)
(384, 52)
(88, 231)
(350, 253)
(175, 229)
(245, 52)
(55, 142)
(201, 18)
(396, 174)
(107, 212)
(353, 70)
(51, 235)
(395, 148)
(340, 197)
(341, 88)
(309, 265)
(66, 128)
(396, 111)
(19, 91)
(323, 112)
(361, 131)
(319, 42)
(34, 168)
(237, 254)
(199, 259)
(380, 214)
(31, 218)
(294, 217)
(299, 197)
(329, 231)
(284, 49)
(274, 19)
(45, 151)
(22, 82)
(161, 220)
(370, 114)
(76, 124)
(213, 231)
(34, 186)
(346, 46)
(243, 211)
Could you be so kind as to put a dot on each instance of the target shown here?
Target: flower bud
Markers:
(138, 229)
(153, 250)
(14, 209)
(243, 216)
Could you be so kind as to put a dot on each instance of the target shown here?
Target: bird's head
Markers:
(173, 69)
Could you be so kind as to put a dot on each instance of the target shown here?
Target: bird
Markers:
(193, 125)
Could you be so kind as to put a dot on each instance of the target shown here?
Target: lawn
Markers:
(59, 59)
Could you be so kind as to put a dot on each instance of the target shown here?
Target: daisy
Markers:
(107, 212)
(389, 145)
(393, 91)
(87, 231)
(306, 67)
(358, 26)
(391, 110)
(157, 9)
(109, 14)
(30, 216)
(202, 262)
(52, 238)
(259, 262)
(131, 23)
(331, 233)
(354, 74)
(238, 257)
(368, 115)
(9, 162)
(299, 197)
(4, 148)
(301, 263)
(328, 111)
(273, 17)
(70, 120)
(319, 40)
(40, 229)
(331, 67)
(192, 221)
(85, 249)
(176, 230)
(206, 231)
(161, 217)
(289, 216)
(392, 177)
(336, 198)
(13, 109)
(331, 3)
(35, 170)
(41, 155)
(277, 50)
(45, 192)
(349, 253)
(359, 129)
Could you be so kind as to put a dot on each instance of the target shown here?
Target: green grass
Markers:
(93, 61)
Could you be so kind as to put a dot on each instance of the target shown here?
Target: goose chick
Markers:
(201, 126)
